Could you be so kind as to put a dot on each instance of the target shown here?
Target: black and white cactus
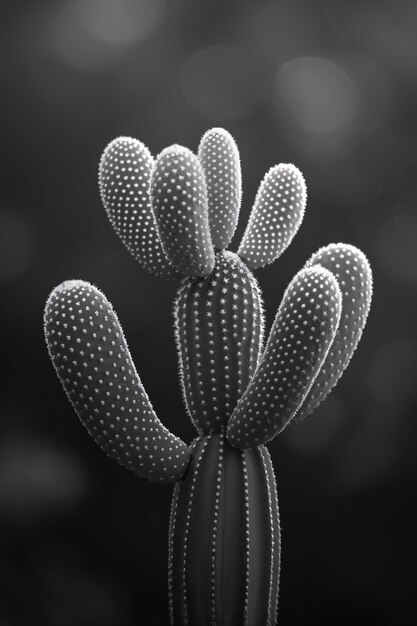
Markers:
(176, 215)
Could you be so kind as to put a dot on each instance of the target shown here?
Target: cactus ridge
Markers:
(219, 156)
(179, 200)
(124, 178)
(276, 216)
(232, 524)
(300, 338)
(219, 334)
(92, 360)
(354, 275)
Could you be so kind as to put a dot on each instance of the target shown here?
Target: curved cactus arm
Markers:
(354, 274)
(92, 360)
(220, 159)
(179, 200)
(276, 215)
(124, 178)
(301, 335)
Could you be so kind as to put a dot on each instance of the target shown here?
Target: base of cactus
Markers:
(224, 543)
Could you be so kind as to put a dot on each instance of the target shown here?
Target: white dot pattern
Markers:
(219, 334)
(179, 200)
(301, 335)
(220, 159)
(92, 360)
(276, 215)
(124, 178)
(354, 275)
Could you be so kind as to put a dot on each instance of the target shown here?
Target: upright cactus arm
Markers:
(179, 200)
(354, 275)
(301, 335)
(92, 360)
(220, 160)
(276, 216)
(219, 334)
(124, 179)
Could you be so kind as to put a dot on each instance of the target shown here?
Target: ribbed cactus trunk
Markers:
(224, 551)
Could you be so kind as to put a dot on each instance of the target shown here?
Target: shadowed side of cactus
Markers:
(92, 360)
(224, 543)
(219, 333)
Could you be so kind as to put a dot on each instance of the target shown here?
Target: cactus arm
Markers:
(276, 216)
(124, 178)
(354, 275)
(179, 200)
(92, 360)
(300, 338)
(220, 160)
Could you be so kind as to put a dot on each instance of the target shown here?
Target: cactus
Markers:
(176, 215)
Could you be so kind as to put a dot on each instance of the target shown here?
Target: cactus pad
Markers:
(92, 360)
(301, 335)
(354, 275)
(124, 178)
(179, 200)
(219, 157)
(276, 216)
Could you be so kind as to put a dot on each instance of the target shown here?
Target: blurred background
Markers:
(329, 85)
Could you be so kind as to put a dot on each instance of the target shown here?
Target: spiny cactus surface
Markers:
(220, 160)
(219, 331)
(176, 215)
(276, 216)
(300, 338)
(92, 360)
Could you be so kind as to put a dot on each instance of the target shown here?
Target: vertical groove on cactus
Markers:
(225, 517)
(92, 360)
(301, 335)
(216, 551)
(220, 159)
(179, 200)
(275, 537)
(171, 532)
(276, 216)
(219, 326)
(354, 275)
(247, 535)
(124, 178)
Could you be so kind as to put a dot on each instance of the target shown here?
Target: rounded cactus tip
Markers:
(276, 215)
(219, 156)
(179, 200)
(92, 360)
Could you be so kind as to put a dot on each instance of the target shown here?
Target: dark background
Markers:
(330, 85)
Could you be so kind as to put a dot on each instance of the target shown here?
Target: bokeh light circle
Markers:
(315, 94)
